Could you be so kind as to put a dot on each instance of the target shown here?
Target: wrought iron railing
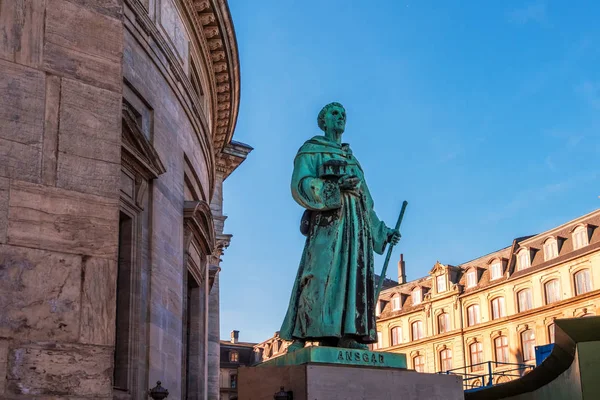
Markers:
(489, 373)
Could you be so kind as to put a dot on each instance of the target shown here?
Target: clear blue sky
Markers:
(484, 115)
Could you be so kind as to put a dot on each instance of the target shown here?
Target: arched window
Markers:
(580, 237)
(476, 350)
(550, 249)
(552, 291)
(417, 330)
(417, 296)
(583, 283)
(443, 323)
(523, 259)
(446, 359)
(419, 363)
(528, 345)
(396, 335)
(525, 300)
(501, 349)
(551, 329)
(473, 315)
(498, 309)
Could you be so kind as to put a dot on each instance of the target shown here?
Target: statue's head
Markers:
(332, 117)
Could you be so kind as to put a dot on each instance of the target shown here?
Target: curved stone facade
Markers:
(116, 127)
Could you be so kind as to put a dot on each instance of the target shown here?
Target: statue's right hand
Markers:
(349, 182)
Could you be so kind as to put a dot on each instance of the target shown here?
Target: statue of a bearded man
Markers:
(333, 299)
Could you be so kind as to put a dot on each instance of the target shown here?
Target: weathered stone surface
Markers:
(3, 208)
(39, 294)
(83, 44)
(90, 122)
(50, 144)
(110, 8)
(60, 370)
(21, 121)
(86, 175)
(59, 220)
(3, 364)
(22, 30)
(98, 296)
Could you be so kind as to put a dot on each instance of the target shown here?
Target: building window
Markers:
(525, 300)
(396, 335)
(379, 344)
(552, 290)
(473, 315)
(416, 296)
(551, 329)
(233, 381)
(446, 359)
(580, 237)
(471, 279)
(234, 356)
(417, 330)
(583, 283)
(378, 309)
(443, 323)
(523, 259)
(501, 349)
(498, 309)
(476, 350)
(528, 343)
(550, 249)
(395, 303)
(441, 283)
(496, 270)
(419, 363)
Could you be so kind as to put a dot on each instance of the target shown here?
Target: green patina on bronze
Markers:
(333, 298)
(336, 355)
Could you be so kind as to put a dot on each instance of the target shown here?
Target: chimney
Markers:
(235, 335)
(401, 270)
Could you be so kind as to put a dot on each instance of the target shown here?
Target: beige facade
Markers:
(234, 354)
(497, 307)
(116, 126)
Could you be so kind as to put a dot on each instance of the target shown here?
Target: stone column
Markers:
(60, 141)
(214, 336)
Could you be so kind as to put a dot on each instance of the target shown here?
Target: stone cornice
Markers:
(213, 22)
(233, 154)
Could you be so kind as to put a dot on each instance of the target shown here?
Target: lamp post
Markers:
(284, 395)
(158, 392)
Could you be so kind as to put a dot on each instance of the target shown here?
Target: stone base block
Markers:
(346, 382)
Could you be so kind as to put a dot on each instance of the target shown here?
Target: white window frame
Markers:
(378, 308)
(550, 249)
(396, 303)
(580, 237)
(417, 296)
(496, 270)
(419, 325)
(476, 314)
(446, 317)
(396, 332)
(587, 281)
(441, 288)
(529, 298)
(555, 291)
(471, 279)
(523, 259)
(498, 308)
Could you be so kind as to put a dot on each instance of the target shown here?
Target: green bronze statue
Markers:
(333, 299)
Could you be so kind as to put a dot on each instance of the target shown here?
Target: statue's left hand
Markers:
(394, 236)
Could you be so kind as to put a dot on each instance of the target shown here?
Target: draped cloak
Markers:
(334, 290)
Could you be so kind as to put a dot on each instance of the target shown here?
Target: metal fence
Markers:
(489, 373)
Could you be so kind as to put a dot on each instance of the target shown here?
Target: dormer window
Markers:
(580, 237)
(550, 249)
(234, 356)
(471, 279)
(395, 303)
(523, 259)
(441, 283)
(496, 270)
(378, 309)
(417, 296)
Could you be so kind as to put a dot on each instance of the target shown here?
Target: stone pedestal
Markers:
(310, 377)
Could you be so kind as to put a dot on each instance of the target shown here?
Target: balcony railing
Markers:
(488, 373)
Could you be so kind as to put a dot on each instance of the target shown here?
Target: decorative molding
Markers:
(231, 157)
(198, 226)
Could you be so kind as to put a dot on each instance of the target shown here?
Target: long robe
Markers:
(334, 290)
